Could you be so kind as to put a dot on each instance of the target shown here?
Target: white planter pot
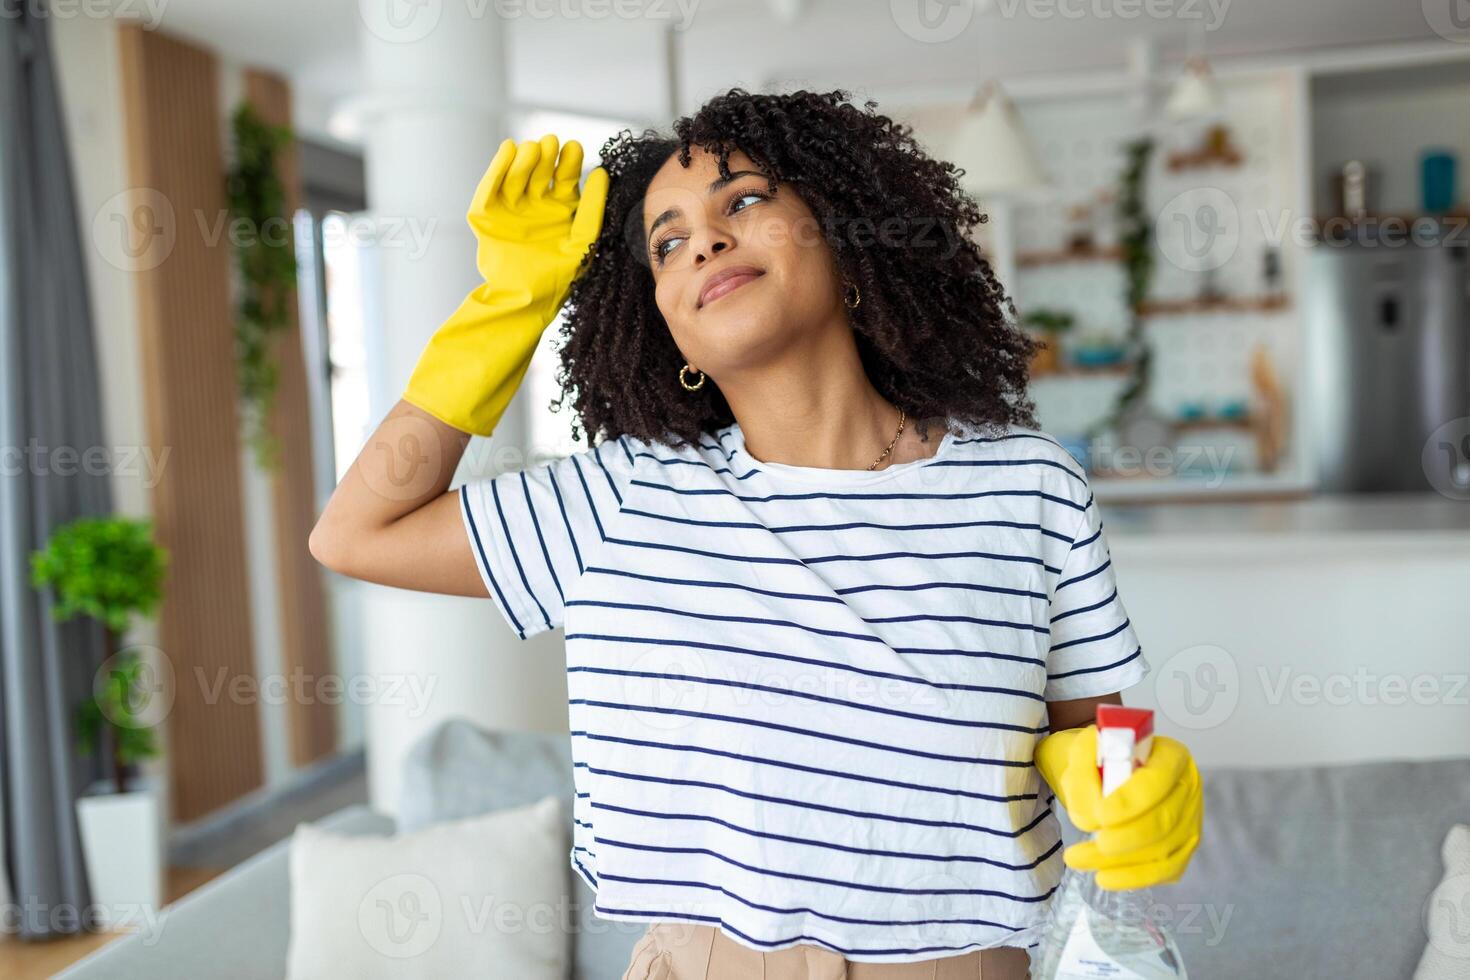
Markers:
(122, 840)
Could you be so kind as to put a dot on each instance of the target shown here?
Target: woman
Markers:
(830, 600)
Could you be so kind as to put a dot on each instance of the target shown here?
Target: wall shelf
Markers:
(1181, 162)
(1231, 304)
(1026, 260)
(1211, 422)
(1201, 349)
(1085, 371)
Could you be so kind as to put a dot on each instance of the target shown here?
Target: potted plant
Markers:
(109, 569)
(1050, 324)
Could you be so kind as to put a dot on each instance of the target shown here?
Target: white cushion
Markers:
(480, 897)
(1447, 914)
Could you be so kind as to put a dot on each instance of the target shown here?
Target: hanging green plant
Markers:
(1136, 241)
(267, 265)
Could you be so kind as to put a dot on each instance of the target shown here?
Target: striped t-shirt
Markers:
(804, 701)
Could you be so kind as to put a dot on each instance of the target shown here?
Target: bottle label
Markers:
(1082, 958)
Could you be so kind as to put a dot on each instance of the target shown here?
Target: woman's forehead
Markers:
(704, 167)
(676, 186)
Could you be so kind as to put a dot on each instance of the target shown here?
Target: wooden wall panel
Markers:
(305, 641)
(174, 149)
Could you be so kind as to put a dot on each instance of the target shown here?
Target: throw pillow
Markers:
(479, 897)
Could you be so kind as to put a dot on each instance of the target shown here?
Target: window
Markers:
(331, 301)
(552, 431)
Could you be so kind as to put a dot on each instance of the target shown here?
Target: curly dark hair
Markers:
(932, 327)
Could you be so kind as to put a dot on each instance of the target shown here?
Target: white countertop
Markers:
(1421, 521)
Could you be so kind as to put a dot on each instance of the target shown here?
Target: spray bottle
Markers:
(1093, 934)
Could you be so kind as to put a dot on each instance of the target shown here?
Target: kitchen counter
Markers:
(1424, 522)
(1320, 630)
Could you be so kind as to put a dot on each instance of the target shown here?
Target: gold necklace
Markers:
(874, 464)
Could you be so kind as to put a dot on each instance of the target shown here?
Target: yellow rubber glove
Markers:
(1145, 831)
(532, 227)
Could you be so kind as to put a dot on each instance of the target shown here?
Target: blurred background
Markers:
(229, 228)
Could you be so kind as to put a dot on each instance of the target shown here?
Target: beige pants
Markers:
(684, 951)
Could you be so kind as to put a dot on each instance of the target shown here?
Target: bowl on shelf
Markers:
(1234, 410)
(1190, 412)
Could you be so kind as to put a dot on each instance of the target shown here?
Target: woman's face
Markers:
(698, 227)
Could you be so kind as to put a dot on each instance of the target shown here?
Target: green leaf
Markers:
(106, 568)
(1136, 238)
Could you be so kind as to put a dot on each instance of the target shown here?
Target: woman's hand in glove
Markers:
(1145, 831)
(532, 228)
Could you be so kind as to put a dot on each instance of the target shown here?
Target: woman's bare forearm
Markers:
(1079, 713)
(392, 520)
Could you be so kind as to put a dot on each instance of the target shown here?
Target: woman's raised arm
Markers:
(391, 520)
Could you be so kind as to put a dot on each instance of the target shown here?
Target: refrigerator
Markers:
(1388, 362)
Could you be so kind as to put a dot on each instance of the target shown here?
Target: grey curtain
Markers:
(48, 401)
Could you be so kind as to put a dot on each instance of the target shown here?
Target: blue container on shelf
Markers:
(1437, 180)
(1098, 356)
(1235, 409)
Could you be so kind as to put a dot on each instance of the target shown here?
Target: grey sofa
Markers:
(1301, 873)
(237, 925)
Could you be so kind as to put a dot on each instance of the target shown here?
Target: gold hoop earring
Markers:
(857, 295)
(685, 381)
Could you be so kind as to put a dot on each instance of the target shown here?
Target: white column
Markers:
(432, 116)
